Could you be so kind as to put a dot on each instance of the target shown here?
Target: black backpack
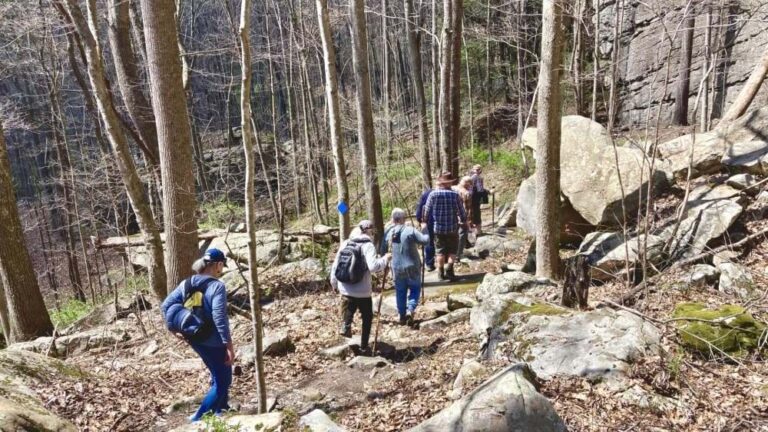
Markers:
(188, 318)
(351, 265)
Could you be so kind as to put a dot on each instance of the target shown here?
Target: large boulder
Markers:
(20, 408)
(509, 282)
(508, 401)
(608, 253)
(598, 344)
(75, 343)
(736, 279)
(708, 149)
(601, 181)
(497, 245)
(496, 311)
(747, 156)
(572, 226)
(460, 315)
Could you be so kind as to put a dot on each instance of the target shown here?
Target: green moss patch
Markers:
(729, 329)
(544, 309)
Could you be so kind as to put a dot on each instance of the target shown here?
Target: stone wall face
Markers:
(738, 40)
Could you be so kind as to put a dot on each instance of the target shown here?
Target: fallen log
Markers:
(138, 240)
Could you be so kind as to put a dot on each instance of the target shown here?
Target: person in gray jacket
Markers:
(406, 263)
(357, 296)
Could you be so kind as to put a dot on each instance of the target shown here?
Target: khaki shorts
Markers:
(446, 244)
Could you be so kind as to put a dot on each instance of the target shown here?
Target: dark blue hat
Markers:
(215, 255)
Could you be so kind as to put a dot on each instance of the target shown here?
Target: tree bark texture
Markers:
(445, 88)
(129, 79)
(334, 113)
(684, 71)
(457, 24)
(366, 136)
(174, 137)
(117, 139)
(250, 199)
(414, 51)
(548, 142)
(27, 317)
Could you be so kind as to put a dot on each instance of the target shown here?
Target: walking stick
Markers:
(378, 309)
(423, 264)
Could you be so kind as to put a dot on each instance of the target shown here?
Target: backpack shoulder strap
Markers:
(190, 288)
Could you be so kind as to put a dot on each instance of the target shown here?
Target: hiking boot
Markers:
(449, 274)
(441, 273)
(409, 318)
(403, 319)
(346, 331)
(365, 352)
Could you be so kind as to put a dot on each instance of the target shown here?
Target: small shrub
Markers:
(217, 214)
(214, 423)
(70, 312)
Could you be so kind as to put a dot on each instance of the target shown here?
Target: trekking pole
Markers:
(423, 263)
(378, 309)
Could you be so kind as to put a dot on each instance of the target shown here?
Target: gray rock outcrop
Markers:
(460, 315)
(590, 170)
(508, 401)
(318, 421)
(509, 282)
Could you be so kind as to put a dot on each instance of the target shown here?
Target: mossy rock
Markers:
(729, 329)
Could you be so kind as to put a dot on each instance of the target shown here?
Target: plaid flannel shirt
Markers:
(446, 208)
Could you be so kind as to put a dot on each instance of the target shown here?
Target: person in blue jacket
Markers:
(429, 249)
(404, 241)
(216, 351)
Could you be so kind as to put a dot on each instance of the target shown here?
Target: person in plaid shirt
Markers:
(446, 208)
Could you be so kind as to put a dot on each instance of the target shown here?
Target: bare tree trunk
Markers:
(125, 163)
(128, 79)
(615, 58)
(704, 116)
(576, 55)
(334, 119)
(445, 88)
(435, 88)
(595, 59)
(386, 81)
(366, 136)
(174, 138)
(684, 71)
(748, 92)
(548, 143)
(414, 51)
(457, 15)
(250, 204)
(488, 108)
(276, 147)
(25, 314)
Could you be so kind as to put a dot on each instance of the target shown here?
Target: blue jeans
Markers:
(217, 398)
(429, 249)
(407, 289)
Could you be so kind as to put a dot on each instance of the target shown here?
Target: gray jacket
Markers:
(363, 288)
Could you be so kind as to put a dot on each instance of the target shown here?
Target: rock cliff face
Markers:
(738, 39)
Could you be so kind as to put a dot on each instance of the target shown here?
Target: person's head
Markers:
(366, 227)
(446, 180)
(212, 263)
(466, 182)
(398, 216)
(477, 169)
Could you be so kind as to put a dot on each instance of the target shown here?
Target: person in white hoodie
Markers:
(357, 295)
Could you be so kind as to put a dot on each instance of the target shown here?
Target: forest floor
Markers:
(132, 385)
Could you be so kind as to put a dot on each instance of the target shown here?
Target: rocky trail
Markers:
(492, 351)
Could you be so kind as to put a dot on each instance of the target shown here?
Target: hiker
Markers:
(406, 263)
(464, 189)
(479, 196)
(197, 311)
(445, 207)
(429, 248)
(351, 275)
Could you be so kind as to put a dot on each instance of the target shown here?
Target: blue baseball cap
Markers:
(215, 255)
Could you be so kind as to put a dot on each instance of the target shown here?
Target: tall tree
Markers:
(446, 44)
(174, 137)
(365, 133)
(27, 317)
(457, 24)
(548, 142)
(386, 81)
(748, 92)
(334, 119)
(117, 139)
(684, 71)
(250, 197)
(414, 51)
